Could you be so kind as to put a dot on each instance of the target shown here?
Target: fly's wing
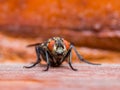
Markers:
(36, 44)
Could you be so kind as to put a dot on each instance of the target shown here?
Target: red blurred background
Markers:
(93, 26)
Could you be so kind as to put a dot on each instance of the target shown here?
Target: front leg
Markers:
(47, 60)
(69, 61)
(65, 56)
(68, 54)
(37, 49)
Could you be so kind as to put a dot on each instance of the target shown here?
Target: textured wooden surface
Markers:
(88, 77)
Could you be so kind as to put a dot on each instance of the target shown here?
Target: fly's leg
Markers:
(69, 61)
(37, 49)
(47, 60)
(68, 54)
(81, 58)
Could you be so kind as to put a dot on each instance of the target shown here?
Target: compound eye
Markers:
(51, 45)
(67, 44)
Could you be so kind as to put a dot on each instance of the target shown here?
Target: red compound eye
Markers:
(67, 44)
(51, 45)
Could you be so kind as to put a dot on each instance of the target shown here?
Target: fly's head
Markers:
(58, 46)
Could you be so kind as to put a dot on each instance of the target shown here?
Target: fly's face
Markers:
(58, 46)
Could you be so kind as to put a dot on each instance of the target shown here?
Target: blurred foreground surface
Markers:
(88, 77)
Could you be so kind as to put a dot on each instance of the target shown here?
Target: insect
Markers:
(54, 52)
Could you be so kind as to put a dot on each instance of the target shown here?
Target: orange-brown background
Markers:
(94, 24)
